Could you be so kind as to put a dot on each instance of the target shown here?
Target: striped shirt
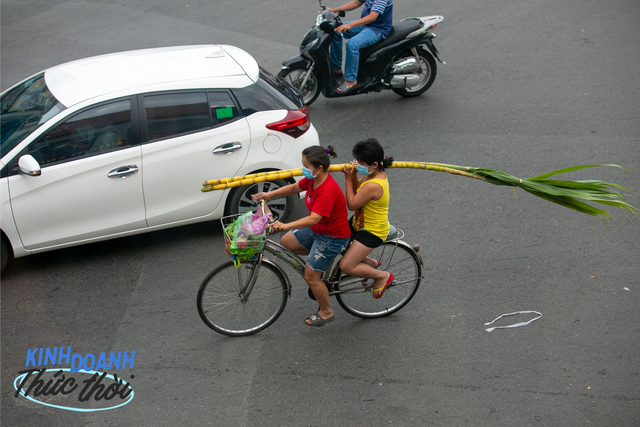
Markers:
(384, 8)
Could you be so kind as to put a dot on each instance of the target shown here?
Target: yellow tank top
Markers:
(374, 215)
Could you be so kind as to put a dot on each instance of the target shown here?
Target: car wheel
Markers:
(240, 201)
(5, 253)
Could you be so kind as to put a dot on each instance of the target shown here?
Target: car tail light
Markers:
(294, 124)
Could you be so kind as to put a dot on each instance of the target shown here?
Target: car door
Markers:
(90, 184)
(190, 137)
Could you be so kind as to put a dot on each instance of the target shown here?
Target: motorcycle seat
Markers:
(399, 31)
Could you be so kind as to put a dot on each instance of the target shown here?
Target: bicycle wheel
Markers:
(220, 298)
(396, 258)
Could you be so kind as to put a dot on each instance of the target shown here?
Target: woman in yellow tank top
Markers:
(369, 198)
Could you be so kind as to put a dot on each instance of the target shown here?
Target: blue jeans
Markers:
(322, 248)
(359, 37)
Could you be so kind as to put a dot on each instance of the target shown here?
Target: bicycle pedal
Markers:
(365, 284)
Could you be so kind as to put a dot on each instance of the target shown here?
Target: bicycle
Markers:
(242, 297)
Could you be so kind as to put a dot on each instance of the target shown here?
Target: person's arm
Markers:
(372, 16)
(305, 222)
(360, 22)
(350, 181)
(285, 191)
(368, 191)
(347, 7)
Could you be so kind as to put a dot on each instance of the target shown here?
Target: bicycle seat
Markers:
(393, 233)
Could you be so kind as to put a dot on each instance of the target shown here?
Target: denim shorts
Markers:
(322, 248)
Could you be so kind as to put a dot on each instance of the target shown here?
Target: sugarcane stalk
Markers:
(570, 194)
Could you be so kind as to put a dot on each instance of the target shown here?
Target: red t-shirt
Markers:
(327, 200)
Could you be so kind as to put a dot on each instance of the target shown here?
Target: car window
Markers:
(264, 95)
(223, 109)
(281, 89)
(176, 113)
(100, 129)
(24, 109)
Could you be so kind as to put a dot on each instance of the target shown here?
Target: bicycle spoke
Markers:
(226, 307)
(405, 266)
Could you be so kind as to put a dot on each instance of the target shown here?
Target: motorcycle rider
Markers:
(374, 25)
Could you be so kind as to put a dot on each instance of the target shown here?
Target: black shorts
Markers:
(368, 239)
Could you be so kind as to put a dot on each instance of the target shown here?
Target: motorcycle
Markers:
(403, 62)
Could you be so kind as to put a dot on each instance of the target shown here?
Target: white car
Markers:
(120, 144)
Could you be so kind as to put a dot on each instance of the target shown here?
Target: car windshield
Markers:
(24, 109)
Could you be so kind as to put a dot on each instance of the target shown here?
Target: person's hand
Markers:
(349, 169)
(261, 196)
(279, 226)
(343, 28)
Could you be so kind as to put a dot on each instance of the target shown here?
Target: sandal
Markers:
(344, 88)
(384, 288)
(316, 320)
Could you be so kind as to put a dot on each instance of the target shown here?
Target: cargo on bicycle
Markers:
(249, 292)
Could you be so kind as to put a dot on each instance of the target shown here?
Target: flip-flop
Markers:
(344, 88)
(316, 320)
(384, 288)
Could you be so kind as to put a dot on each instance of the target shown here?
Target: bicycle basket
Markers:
(240, 240)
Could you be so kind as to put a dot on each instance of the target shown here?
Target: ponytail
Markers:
(386, 162)
(319, 156)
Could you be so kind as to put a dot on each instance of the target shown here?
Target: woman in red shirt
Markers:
(324, 233)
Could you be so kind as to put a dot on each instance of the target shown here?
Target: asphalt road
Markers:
(529, 87)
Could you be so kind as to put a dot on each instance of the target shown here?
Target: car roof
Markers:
(146, 70)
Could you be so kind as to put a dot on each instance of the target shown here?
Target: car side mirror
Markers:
(342, 13)
(29, 166)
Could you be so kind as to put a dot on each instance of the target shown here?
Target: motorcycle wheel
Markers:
(296, 77)
(427, 76)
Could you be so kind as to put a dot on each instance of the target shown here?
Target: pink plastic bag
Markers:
(259, 222)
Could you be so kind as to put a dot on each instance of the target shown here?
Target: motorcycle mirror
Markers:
(342, 13)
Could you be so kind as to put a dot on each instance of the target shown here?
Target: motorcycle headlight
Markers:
(320, 19)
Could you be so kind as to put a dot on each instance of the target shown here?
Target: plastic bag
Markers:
(243, 232)
(247, 235)
(259, 221)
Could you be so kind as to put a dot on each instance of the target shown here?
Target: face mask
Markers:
(308, 173)
(363, 170)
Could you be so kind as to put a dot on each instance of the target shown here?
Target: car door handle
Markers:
(123, 171)
(227, 148)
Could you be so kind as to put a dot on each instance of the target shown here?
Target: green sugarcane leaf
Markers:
(573, 168)
(575, 205)
(584, 184)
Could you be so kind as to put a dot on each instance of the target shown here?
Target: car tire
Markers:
(239, 201)
(4, 253)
